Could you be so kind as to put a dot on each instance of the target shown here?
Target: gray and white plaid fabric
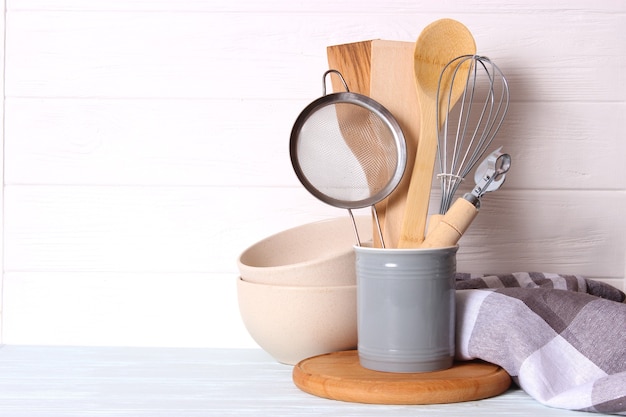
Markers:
(561, 337)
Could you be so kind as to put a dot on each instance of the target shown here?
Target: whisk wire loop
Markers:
(469, 127)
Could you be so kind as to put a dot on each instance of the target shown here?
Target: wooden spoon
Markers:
(437, 45)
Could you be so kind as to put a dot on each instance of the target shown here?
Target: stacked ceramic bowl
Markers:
(297, 289)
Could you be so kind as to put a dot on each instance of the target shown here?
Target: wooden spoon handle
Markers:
(418, 196)
(452, 225)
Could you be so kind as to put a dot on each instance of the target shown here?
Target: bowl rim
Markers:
(338, 253)
(241, 281)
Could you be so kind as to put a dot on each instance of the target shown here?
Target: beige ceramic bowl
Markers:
(314, 254)
(295, 323)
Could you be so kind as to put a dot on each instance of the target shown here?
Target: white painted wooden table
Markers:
(111, 381)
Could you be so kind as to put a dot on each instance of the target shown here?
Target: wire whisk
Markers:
(473, 123)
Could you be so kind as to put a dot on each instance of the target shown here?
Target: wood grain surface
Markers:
(339, 376)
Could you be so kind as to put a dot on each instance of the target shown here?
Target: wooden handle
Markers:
(452, 225)
(418, 196)
(353, 61)
(433, 221)
(393, 85)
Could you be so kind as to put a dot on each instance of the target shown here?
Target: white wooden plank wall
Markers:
(145, 146)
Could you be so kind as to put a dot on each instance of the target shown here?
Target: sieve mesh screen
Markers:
(347, 153)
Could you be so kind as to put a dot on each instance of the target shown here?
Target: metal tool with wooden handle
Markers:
(449, 228)
(438, 44)
(470, 126)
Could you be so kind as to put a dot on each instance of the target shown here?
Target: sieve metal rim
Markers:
(383, 114)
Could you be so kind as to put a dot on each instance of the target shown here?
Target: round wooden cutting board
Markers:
(339, 376)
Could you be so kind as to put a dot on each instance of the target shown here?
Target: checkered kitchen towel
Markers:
(561, 337)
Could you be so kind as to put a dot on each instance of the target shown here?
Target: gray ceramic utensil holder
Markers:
(405, 308)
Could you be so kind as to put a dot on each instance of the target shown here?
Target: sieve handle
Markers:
(452, 225)
(333, 71)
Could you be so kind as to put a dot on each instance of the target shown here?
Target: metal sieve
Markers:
(348, 151)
